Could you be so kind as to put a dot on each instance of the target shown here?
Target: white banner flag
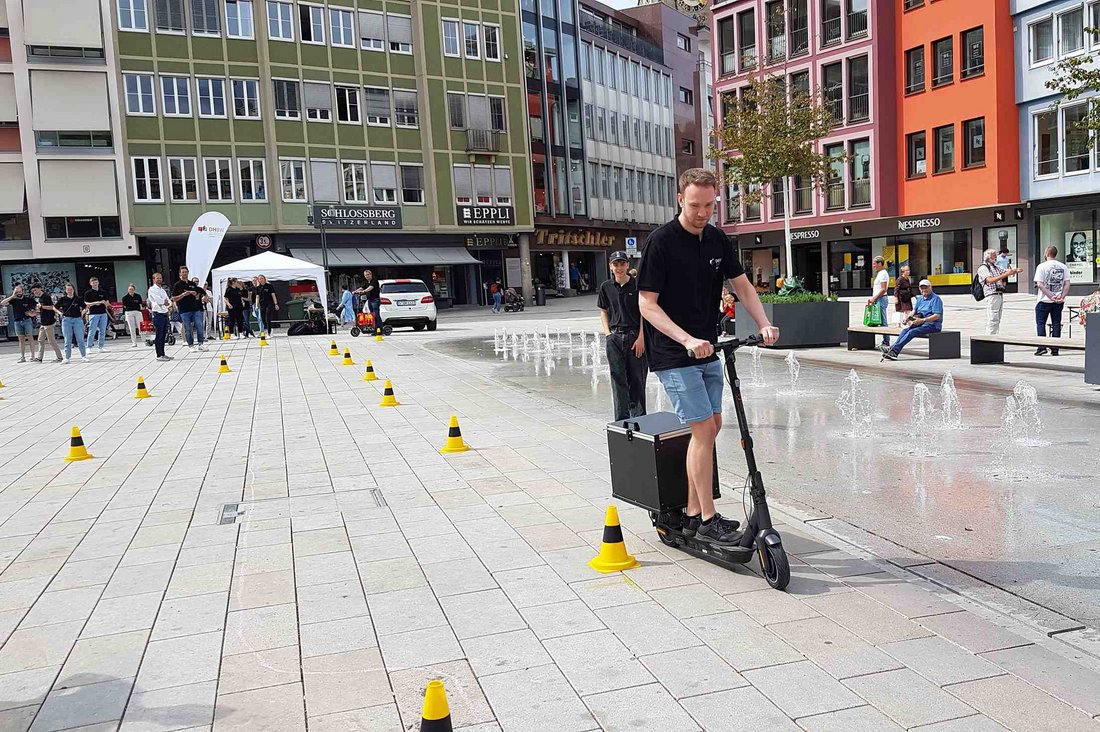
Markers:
(203, 242)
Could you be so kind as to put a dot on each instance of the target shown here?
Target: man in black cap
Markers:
(622, 324)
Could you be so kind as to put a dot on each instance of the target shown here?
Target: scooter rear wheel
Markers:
(775, 566)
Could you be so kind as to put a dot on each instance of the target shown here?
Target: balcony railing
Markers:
(861, 192)
(830, 32)
(859, 108)
(729, 63)
(748, 58)
(857, 24)
(482, 141)
(910, 4)
(835, 108)
(916, 84)
(800, 41)
(834, 196)
(621, 38)
(803, 200)
(778, 202)
(777, 49)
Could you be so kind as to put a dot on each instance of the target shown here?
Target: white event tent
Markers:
(275, 267)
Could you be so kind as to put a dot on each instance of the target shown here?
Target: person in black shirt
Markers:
(684, 266)
(131, 307)
(47, 319)
(97, 302)
(622, 324)
(234, 306)
(267, 302)
(189, 302)
(22, 309)
(72, 309)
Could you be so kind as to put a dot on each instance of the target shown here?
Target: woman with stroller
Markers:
(131, 306)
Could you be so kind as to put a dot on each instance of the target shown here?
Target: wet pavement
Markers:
(1019, 514)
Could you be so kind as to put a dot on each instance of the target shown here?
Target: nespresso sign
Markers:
(485, 215)
(910, 224)
(357, 217)
(805, 235)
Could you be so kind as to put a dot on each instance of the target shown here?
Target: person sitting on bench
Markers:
(927, 317)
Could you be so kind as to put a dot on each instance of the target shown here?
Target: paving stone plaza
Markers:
(271, 550)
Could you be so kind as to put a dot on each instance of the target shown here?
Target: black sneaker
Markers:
(1040, 351)
(889, 355)
(689, 525)
(719, 530)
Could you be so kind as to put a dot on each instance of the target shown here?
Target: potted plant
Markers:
(804, 318)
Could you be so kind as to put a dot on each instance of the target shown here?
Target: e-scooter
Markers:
(758, 536)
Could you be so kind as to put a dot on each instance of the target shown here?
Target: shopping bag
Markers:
(872, 316)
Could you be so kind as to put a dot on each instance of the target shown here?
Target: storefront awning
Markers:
(387, 256)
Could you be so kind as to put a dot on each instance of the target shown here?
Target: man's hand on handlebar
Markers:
(699, 348)
(770, 335)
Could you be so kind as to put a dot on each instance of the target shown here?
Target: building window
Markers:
(456, 110)
(498, 116)
(169, 16)
(798, 26)
(183, 180)
(974, 142)
(412, 184)
(775, 21)
(687, 147)
(147, 180)
(859, 172)
(372, 31)
(1094, 23)
(72, 138)
(1076, 138)
(378, 106)
(613, 128)
(139, 94)
(727, 45)
(1047, 143)
(586, 60)
(405, 111)
(483, 184)
(944, 140)
(82, 227)
(601, 124)
(399, 30)
(746, 40)
(832, 85)
(238, 19)
(471, 36)
(834, 177)
(830, 22)
(175, 95)
(911, 4)
(779, 200)
(857, 18)
(1041, 35)
(219, 181)
(355, 182)
(915, 155)
(205, 19)
(450, 38)
(803, 195)
(246, 98)
(686, 96)
(973, 48)
(311, 21)
(280, 21)
(347, 104)
(132, 15)
(859, 96)
(683, 42)
(292, 174)
(799, 87)
(1071, 32)
(384, 180)
(211, 97)
(492, 43)
(464, 184)
(318, 101)
(287, 104)
(341, 31)
(914, 70)
(253, 180)
(944, 59)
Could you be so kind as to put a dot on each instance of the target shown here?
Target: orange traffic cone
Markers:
(347, 358)
(612, 556)
(388, 399)
(142, 392)
(369, 374)
(436, 716)
(77, 451)
(455, 443)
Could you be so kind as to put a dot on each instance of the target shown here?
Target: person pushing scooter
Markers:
(680, 280)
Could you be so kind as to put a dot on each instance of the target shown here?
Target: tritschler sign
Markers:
(911, 224)
(357, 217)
(485, 215)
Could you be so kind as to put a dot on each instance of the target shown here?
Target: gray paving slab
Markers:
(83, 705)
(1019, 705)
(1054, 673)
(973, 633)
(802, 689)
(867, 618)
(596, 662)
(561, 618)
(639, 707)
(345, 681)
(547, 702)
(513, 651)
(907, 698)
(465, 700)
(737, 709)
(857, 719)
(837, 650)
(940, 661)
(273, 707)
(742, 642)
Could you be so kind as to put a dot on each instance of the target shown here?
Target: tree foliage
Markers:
(1076, 77)
(768, 135)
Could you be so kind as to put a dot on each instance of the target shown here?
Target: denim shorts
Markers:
(24, 327)
(695, 391)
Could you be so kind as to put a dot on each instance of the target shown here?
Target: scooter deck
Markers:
(724, 556)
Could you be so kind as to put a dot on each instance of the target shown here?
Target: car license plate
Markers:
(406, 302)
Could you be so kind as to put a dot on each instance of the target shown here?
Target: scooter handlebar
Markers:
(732, 344)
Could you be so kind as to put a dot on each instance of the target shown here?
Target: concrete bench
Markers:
(942, 344)
(991, 348)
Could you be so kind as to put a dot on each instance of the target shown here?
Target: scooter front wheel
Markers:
(355, 331)
(776, 567)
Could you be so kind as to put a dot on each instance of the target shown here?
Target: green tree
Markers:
(770, 136)
(1074, 78)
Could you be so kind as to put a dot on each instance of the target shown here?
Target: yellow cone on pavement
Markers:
(142, 392)
(333, 350)
(77, 451)
(436, 715)
(369, 374)
(388, 399)
(225, 335)
(612, 556)
(377, 334)
(454, 443)
(223, 368)
(347, 358)
(263, 338)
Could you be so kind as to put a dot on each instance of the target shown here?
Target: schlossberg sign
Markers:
(357, 217)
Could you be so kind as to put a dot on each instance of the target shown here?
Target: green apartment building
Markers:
(406, 117)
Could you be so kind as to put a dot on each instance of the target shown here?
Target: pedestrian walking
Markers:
(159, 305)
(371, 294)
(96, 300)
(347, 306)
(1052, 283)
(879, 289)
(927, 317)
(131, 308)
(268, 302)
(903, 294)
(246, 307)
(622, 325)
(72, 308)
(22, 309)
(234, 307)
(496, 292)
(188, 298)
(993, 278)
(47, 321)
(210, 323)
(254, 300)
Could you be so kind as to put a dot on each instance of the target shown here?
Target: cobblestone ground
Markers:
(270, 550)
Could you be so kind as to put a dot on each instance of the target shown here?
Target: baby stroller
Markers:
(513, 303)
(364, 323)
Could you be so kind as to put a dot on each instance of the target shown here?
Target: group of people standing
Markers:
(73, 310)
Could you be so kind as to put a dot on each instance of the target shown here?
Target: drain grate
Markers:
(379, 499)
(230, 513)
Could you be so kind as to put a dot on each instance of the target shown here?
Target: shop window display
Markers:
(1074, 233)
(941, 256)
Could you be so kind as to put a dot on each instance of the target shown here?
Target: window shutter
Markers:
(400, 29)
(483, 181)
(502, 178)
(326, 183)
(479, 111)
(412, 176)
(204, 16)
(404, 100)
(383, 175)
(372, 25)
(464, 187)
(378, 102)
(456, 109)
(317, 96)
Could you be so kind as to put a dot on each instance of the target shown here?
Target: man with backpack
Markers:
(989, 282)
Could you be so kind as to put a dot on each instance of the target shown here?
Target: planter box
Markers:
(801, 324)
(1092, 348)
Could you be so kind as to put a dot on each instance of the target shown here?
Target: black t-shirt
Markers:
(93, 296)
(131, 302)
(46, 317)
(621, 303)
(264, 293)
(188, 304)
(70, 307)
(374, 294)
(233, 295)
(20, 306)
(686, 271)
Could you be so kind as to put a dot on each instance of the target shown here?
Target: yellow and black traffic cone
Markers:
(347, 358)
(377, 334)
(263, 338)
(1, 384)
(455, 443)
(77, 451)
(333, 350)
(369, 374)
(223, 368)
(142, 392)
(612, 556)
(225, 335)
(436, 716)
(388, 399)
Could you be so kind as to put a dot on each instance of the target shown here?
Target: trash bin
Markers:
(540, 294)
